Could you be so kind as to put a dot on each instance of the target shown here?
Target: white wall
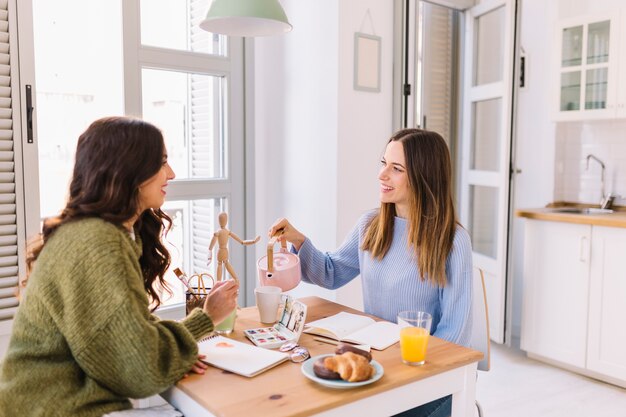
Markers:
(365, 122)
(296, 124)
(534, 150)
(318, 142)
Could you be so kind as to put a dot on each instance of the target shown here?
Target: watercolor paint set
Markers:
(288, 329)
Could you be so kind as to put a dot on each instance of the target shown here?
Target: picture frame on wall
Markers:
(367, 56)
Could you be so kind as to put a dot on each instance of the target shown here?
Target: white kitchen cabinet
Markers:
(574, 301)
(556, 288)
(588, 75)
(606, 351)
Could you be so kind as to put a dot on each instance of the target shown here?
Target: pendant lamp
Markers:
(246, 18)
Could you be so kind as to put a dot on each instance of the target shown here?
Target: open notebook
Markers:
(237, 357)
(356, 328)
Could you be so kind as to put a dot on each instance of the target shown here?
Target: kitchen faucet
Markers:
(607, 200)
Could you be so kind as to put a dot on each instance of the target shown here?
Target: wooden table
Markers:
(284, 391)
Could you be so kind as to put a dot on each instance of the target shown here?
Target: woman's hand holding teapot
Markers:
(289, 233)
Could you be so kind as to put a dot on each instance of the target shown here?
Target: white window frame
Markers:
(239, 171)
(232, 187)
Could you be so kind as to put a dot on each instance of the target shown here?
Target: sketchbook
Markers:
(237, 357)
(355, 328)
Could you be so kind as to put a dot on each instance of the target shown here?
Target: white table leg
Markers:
(463, 401)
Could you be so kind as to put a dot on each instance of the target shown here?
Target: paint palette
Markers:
(288, 329)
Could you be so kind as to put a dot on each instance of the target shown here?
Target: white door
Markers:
(485, 142)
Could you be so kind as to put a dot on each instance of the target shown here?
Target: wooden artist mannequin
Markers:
(221, 238)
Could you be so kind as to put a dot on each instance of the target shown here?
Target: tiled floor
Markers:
(520, 387)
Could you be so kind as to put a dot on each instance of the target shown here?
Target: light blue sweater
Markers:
(392, 284)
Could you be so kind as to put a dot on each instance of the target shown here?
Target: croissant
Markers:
(350, 366)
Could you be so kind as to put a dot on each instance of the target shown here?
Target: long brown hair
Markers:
(114, 156)
(432, 219)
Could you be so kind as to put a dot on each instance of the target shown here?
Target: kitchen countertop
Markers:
(551, 213)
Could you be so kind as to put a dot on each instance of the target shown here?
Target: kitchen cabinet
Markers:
(556, 287)
(588, 68)
(574, 291)
(606, 352)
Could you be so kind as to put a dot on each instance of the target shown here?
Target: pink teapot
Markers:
(280, 269)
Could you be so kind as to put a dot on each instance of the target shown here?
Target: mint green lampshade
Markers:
(246, 18)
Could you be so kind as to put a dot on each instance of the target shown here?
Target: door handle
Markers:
(583, 252)
(29, 114)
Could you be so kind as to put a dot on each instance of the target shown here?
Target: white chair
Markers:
(480, 324)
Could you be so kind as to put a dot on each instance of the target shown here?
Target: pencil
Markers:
(329, 341)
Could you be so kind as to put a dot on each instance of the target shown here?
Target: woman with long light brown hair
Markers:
(83, 339)
(411, 253)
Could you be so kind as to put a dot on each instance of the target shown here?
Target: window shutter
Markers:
(8, 220)
(204, 113)
(439, 68)
(202, 218)
(204, 126)
(201, 152)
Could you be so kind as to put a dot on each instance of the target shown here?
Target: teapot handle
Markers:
(270, 248)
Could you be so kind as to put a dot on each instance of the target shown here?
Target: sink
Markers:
(579, 210)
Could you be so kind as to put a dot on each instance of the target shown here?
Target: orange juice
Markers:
(413, 341)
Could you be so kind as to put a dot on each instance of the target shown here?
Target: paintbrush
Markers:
(183, 278)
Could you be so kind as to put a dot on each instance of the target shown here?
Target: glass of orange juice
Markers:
(414, 332)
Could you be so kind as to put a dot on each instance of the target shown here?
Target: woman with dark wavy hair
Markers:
(84, 340)
(411, 253)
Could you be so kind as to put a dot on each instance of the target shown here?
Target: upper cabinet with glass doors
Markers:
(588, 70)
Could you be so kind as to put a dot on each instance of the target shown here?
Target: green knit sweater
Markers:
(83, 339)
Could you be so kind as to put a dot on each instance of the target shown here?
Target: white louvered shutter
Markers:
(205, 101)
(204, 151)
(199, 107)
(439, 69)
(8, 219)
(202, 218)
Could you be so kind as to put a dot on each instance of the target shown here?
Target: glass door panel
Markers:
(585, 67)
(482, 227)
(570, 91)
(596, 82)
(489, 45)
(487, 125)
(572, 46)
(598, 35)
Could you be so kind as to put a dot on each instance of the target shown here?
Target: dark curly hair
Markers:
(114, 156)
